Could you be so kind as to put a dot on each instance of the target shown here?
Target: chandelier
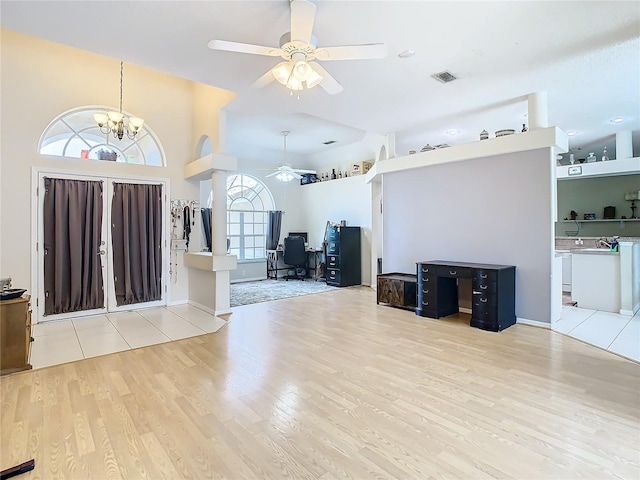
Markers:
(296, 73)
(114, 122)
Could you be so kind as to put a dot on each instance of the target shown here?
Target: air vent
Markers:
(330, 142)
(444, 77)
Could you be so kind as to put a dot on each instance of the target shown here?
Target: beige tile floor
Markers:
(615, 333)
(84, 337)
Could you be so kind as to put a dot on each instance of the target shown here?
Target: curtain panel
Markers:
(273, 229)
(72, 223)
(136, 231)
(206, 226)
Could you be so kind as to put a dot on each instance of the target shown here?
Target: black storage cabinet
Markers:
(343, 259)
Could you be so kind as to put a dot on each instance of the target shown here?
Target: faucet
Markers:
(605, 242)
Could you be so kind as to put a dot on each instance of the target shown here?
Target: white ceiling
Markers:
(585, 54)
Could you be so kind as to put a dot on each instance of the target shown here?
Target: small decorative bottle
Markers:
(524, 127)
(333, 174)
(591, 157)
(605, 157)
(339, 173)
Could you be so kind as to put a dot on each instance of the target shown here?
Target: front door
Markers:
(100, 245)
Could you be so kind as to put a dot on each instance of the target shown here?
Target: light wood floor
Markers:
(332, 386)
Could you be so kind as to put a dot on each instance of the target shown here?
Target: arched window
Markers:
(75, 134)
(248, 201)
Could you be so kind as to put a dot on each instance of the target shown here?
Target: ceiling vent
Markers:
(444, 77)
(330, 142)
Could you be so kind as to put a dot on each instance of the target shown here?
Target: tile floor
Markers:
(616, 333)
(68, 340)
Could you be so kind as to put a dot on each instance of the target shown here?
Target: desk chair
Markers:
(295, 256)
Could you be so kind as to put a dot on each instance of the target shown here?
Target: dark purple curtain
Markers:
(273, 229)
(136, 232)
(72, 221)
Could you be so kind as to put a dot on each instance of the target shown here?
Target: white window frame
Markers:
(261, 200)
(78, 124)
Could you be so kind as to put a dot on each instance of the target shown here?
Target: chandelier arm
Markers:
(121, 69)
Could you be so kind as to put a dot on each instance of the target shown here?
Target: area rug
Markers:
(246, 293)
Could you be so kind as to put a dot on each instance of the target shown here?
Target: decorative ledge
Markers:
(212, 263)
(202, 168)
(551, 137)
(626, 166)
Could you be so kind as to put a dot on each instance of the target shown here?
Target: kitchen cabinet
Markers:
(397, 290)
(15, 335)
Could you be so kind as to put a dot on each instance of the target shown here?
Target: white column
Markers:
(219, 213)
(538, 113)
(391, 138)
(624, 148)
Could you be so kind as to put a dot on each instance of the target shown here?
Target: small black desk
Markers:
(275, 263)
(493, 292)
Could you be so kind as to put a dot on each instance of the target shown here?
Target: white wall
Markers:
(489, 210)
(41, 80)
(336, 200)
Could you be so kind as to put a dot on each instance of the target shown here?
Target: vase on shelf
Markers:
(333, 174)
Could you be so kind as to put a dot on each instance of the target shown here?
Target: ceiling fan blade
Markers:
(302, 16)
(298, 170)
(244, 48)
(272, 174)
(295, 175)
(265, 79)
(352, 52)
(328, 83)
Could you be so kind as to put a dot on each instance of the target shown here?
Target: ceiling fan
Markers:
(286, 173)
(299, 48)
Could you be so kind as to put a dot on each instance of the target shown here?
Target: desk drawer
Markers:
(453, 272)
(483, 275)
(428, 293)
(484, 286)
(426, 269)
(484, 307)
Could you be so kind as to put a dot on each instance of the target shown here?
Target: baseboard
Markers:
(533, 323)
(202, 307)
(177, 302)
(253, 279)
(223, 312)
(464, 310)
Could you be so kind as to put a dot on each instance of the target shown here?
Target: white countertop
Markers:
(594, 251)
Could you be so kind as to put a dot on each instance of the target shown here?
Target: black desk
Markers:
(275, 263)
(493, 292)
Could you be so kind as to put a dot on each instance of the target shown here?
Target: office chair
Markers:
(295, 256)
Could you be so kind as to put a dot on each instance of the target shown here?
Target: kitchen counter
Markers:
(593, 251)
(595, 279)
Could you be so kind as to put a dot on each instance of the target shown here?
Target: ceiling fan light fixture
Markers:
(285, 176)
(302, 70)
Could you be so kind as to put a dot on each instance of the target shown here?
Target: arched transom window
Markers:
(248, 201)
(75, 134)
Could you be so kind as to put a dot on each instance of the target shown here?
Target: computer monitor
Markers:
(304, 235)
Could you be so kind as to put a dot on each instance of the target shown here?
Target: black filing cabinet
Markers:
(493, 292)
(343, 259)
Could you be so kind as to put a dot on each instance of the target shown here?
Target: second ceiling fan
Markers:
(299, 50)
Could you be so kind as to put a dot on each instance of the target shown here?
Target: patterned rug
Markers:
(246, 293)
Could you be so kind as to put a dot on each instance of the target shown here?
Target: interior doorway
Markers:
(101, 244)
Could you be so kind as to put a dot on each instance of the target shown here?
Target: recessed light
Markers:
(617, 120)
(407, 54)
(571, 133)
(453, 131)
